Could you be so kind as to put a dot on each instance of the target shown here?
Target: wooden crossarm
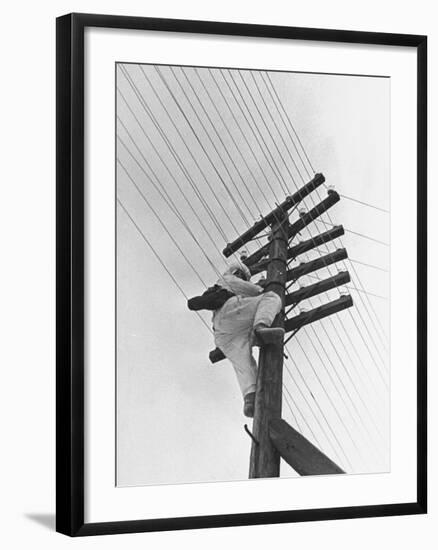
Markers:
(302, 247)
(319, 263)
(318, 313)
(339, 279)
(317, 240)
(297, 226)
(274, 215)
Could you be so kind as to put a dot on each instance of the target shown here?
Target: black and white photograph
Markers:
(216, 275)
(253, 272)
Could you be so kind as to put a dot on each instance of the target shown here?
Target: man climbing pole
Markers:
(242, 317)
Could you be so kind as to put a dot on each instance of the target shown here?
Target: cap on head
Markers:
(240, 270)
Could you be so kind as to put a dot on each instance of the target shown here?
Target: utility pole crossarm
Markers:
(297, 226)
(314, 265)
(298, 452)
(332, 198)
(318, 313)
(302, 247)
(313, 242)
(341, 278)
(274, 215)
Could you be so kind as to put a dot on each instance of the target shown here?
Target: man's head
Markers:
(240, 270)
(240, 273)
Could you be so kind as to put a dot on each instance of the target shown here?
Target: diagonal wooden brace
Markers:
(298, 452)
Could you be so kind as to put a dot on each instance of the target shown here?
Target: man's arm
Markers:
(239, 286)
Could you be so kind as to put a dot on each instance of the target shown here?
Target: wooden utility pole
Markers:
(265, 459)
(272, 437)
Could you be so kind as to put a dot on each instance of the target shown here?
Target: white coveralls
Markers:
(233, 325)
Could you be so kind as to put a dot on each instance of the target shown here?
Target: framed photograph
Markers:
(241, 274)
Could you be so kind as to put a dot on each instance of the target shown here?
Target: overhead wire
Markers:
(342, 383)
(331, 343)
(239, 126)
(207, 133)
(363, 203)
(349, 377)
(160, 221)
(335, 408)
(264, 75)
(195, 134)
(205, 130)
(341, 448)
(242, 156)
(268, 132)
(147, 241)
(168, 199)
(333, 448)
(271, 163)
(357, 233)
(215, 130)
(303, 178)
(290, 122)
(353, 288)
(288, 403)
(373, 266)
(174, 154)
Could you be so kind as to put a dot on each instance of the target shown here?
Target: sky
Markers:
(201, 154)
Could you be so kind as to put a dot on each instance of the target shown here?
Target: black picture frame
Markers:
(70, 273)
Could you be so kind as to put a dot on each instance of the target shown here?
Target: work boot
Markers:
(248, 404)
(265, 336)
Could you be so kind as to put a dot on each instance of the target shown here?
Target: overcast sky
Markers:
(179, 418)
